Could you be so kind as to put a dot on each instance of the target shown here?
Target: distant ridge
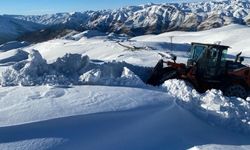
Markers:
(150, 18)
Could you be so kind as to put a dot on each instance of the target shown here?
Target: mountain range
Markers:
(132, 20)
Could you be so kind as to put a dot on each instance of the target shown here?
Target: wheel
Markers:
(237, 91)
(169, 73)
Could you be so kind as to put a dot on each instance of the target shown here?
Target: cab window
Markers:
(213, 55)
(197, 51)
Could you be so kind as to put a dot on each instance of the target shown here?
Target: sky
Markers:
(36, 7)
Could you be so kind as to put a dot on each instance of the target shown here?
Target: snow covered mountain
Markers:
(132, 20)
(152, 18)
(87, 90)
(11, 28)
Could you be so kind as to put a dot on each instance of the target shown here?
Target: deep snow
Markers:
(156, 122)
(235, 36)
(73, 69)
(212, 106)
(91, 95)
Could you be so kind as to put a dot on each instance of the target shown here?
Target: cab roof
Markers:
(212, 45)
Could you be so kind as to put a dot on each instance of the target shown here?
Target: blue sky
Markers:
(33, 7)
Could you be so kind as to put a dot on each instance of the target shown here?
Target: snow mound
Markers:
(97, 76)
(233, 113)
(13, 56)
(73, 69)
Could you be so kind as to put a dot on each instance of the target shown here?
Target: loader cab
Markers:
(210, 59)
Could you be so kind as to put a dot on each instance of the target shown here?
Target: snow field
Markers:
(38, 103)
(235, 36)
(95, 84)
(212, 106)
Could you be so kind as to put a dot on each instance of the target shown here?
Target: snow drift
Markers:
(212, 106)
(72, 69)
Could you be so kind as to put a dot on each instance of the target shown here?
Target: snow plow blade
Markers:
(161, 74)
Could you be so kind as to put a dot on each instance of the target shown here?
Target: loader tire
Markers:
(169, 74)
(160, 76)
(236, 91)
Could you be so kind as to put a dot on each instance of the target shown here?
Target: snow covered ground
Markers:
(72, 118)
(95, 97)
(235, 36)
(102, 48)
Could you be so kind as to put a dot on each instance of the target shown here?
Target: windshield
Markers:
(224, 55)
(197, 51)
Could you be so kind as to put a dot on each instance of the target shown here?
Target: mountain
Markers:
(11, 28)
(152, 18)
(132, 20)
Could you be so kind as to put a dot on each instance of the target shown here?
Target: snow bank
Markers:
(212, 106)
(72, 69)
(127, 78)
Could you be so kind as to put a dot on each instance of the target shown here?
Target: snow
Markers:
(152, 18)
(98, 49)
(228, 35)
(41, 144)
(220, 147)
(90, 93)
(40, 102)
(212, 106)
(11, 28)
(102, 48)
(71, 69)
(13, 56)
(12, 45)
(155, 122)
(87, 34)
